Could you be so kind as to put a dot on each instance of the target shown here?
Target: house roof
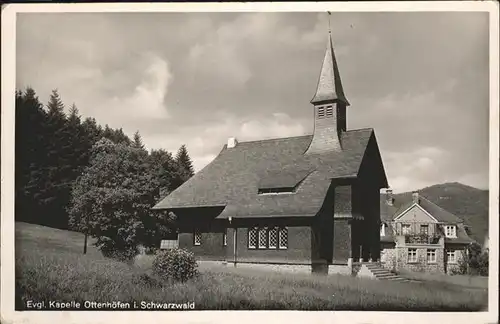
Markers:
(437, 212)
(405, 201)
(234, 177)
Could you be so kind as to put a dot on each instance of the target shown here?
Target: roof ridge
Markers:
(360, 129)
(274, 139)
(299, 136)
(421, 196)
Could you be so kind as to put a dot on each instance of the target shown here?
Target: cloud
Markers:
(277, 125)
(413, 169)
(147, 99)
(204, 142)
(419, 79)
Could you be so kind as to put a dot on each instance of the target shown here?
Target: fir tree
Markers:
(185, 168)
(29, 155)
(137, 142)
(58, 169)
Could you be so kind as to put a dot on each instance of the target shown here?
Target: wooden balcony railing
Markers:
(418, 232)
(422, 238)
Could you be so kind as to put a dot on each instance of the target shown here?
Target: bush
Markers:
(110, 249)
(175, 264)
(475, 262)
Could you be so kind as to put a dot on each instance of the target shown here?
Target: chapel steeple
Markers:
(330, 118)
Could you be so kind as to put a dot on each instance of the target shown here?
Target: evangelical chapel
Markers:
(308, 203)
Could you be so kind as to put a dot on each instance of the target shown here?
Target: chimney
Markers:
(415, 197)
(388, 196)
(231, 142)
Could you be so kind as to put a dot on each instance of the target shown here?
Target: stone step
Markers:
(385, 275)
(379, 270)
(382, 273)
(393, 277)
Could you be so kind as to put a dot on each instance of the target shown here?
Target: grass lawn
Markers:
(50, 266)
(466, 281)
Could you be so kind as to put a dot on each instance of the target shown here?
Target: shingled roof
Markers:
(234, 177)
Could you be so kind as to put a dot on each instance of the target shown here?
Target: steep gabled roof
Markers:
(233, 178)
(437, 212)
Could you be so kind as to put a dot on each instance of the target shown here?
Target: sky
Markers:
(419, 79)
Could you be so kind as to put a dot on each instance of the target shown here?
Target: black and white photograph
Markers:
(250, 157)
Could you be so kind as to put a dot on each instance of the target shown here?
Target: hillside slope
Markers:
(468, 203)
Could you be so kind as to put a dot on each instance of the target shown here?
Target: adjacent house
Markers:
(418, 235)
(308, 203)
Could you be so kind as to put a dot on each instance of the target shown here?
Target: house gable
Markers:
(415, 213)
(372, 168)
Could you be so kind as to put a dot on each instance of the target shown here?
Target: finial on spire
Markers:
(329, 27)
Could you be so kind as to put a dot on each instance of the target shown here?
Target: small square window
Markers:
(405, 228)
(431, 255)
(450, 231)
(412, 255)
(197, 237)
(424, 229)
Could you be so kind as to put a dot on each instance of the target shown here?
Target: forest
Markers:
(73, 173)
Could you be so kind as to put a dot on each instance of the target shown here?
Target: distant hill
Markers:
(468, 203)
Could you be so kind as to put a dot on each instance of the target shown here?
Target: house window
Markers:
(275, 191)
(283, 238)
(412, 255)
(329, 111)
(450, 231)
(321, 112)
(252, 238)
(431, 255)
(273, 238)
(451, 256)
(197, 237)
(267, 238)
(224, 239)
(405, 228)
(262, 238)
(382, 229)
(424, 229)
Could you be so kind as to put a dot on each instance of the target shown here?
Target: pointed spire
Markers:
(329, 87)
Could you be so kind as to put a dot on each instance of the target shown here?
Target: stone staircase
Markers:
(375, 271)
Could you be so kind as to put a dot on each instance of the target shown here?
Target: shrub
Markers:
(175, 264)
(112, 250)
(474, 262)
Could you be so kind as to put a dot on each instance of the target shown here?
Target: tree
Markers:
(30, 155)
(474, 261)
(115, 194)
(164, 169)
(137, 142)
(184, 167)
(57, 172)
(76, 138)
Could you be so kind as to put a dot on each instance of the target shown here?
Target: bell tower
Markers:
(329, 101)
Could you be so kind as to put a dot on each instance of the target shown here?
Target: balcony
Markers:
(418, 232)
(421, 238)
